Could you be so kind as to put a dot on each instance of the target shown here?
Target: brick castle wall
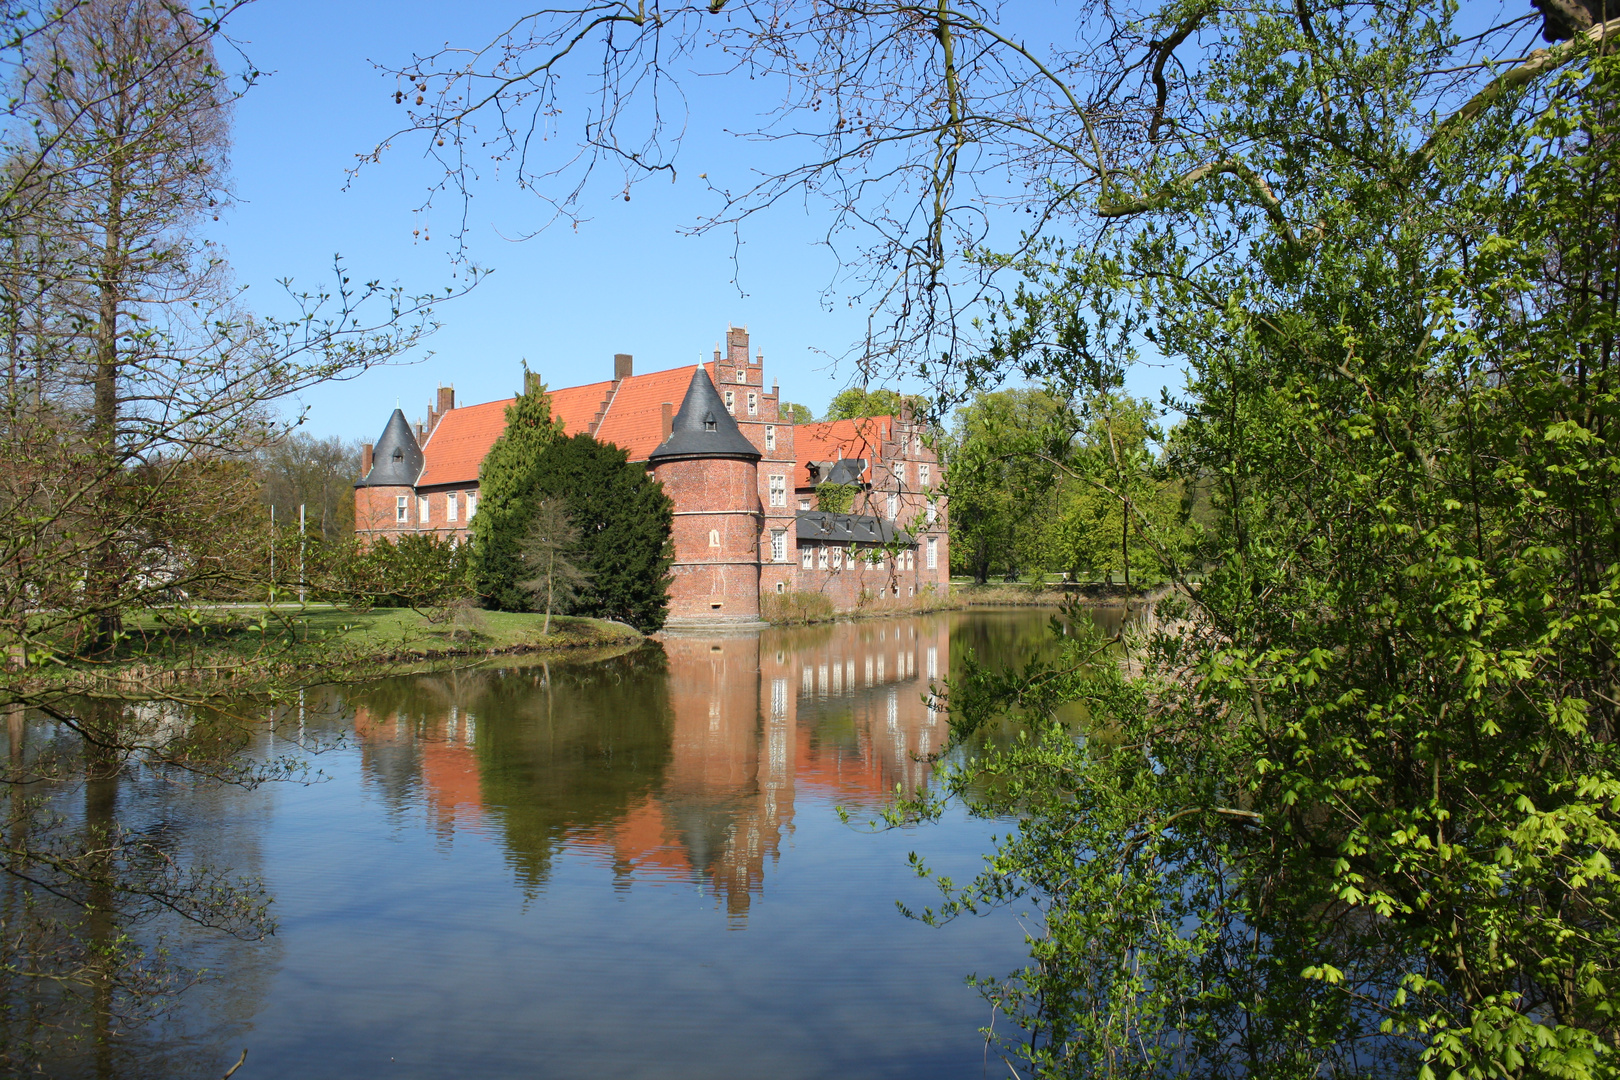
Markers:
(716, 537)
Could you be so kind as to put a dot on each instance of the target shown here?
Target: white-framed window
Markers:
(778, 490)
(911, 560)
(781, 586)
(731, 402)
(804, 504)
(422, 513)
(805, 557)
(821, 557)
(932, 513)
(778, 545)
(893, 506)
(449, 506)
(770, 437)
(905, 444)
(402, 509)
(838, 558)
(933, 552)
(923, 474)
(472, 504)
(753, 403)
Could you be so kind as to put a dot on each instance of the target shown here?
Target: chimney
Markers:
(668, 411)
(365, 459)
(447, 399)
(531, 382)
(622, 366)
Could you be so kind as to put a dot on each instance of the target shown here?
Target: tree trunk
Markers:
(1125, 542)
(102, 583)
(551, 585)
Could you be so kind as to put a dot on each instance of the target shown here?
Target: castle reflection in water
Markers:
(678, 760)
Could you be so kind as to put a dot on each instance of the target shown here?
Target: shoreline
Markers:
(967, 597)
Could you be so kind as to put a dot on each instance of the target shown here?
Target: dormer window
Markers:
(709, 422)
(399, 455)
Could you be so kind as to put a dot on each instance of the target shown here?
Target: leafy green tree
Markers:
(1355, 810)
(550, 552)
(1005, 453)
(858, 401)
(795, 413)
(1115, 496)
(420, 571)
(508, 488)
(836, 498)
(624, 519)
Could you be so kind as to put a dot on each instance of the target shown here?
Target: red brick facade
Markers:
(739, 531)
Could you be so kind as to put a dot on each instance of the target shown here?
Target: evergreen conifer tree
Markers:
(624, 519)
(507, 496)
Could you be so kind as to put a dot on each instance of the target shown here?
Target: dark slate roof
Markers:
(703, 428)
(397, 461)
(849, 529)
(843, 471)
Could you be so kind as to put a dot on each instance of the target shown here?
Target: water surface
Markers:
(630, 866)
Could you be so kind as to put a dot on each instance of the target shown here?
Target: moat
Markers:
(622, 866)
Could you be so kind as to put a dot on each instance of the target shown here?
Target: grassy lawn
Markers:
(245, 639)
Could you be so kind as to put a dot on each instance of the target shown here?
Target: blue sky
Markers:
(565, 301)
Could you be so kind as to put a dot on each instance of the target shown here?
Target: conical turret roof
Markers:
(397, 461)
(704, 428)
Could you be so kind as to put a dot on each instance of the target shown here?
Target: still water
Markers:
(621, 866)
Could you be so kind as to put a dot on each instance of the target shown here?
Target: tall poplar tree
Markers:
(507, 496)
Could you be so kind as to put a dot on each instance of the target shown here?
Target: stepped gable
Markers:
(397, 461)
(828, 440)
(703, 428)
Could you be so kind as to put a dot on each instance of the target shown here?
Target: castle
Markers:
(850, 509)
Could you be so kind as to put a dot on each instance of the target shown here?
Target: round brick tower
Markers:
(709, 468)
(391, 475)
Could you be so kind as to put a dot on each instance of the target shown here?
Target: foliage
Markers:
(624, 519)
(1356, 810)
(421, 571)
(836, 498)
(794, 413)
(1003, 483)
(508, 483)
(550, 555)
(1055, 480)
(857, 402)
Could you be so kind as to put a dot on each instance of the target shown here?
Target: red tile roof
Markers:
(634, 422)
(829, 440)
